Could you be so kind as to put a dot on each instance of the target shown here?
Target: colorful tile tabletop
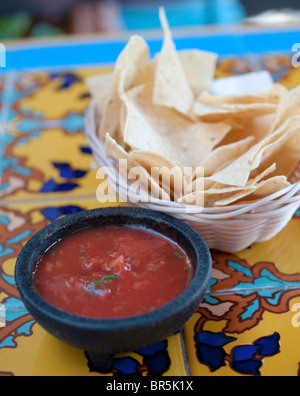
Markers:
(249, 321)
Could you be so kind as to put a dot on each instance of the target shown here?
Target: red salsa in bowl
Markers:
(113, 272)
(113, 280)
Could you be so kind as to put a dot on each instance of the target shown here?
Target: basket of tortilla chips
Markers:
(220, 156)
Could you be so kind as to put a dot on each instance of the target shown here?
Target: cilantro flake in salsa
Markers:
(113, 272)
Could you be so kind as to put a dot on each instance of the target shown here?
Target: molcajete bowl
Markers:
(103, 338)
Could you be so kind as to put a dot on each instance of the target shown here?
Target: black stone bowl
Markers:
(102, 338)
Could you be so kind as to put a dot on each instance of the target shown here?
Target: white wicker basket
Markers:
(230, 229)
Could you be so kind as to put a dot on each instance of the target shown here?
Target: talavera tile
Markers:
(249, 321)
(47, 163)
(282, 69)
(244, 335)
(268, 265)
(50, 96)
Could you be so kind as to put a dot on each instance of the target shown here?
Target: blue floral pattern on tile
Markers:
(244, 359)
(66, 80)
(156, 361)
(53, 213)
(210, 349)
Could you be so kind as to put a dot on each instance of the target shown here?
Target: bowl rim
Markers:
(196, 288)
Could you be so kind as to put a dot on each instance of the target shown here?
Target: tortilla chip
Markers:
(237, 172)
(110, 121)
(123, 116)
(211, 113)
(258, 127)
(167, 174)
(258, 175)
(222, 155)
(164, 131)
(150, 159)
(134, 57)
(214, 107)
(288, 108)
(211, 194)
(146, 74)
(265, 188)
(286, 154)
(199, 68)
(271, 96)
(171, 87)
(272, 185)
(232, 198)
(100, 87)
(276, 140)
(113, 149)
(163, 117)
(116, 152)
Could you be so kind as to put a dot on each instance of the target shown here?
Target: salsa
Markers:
(113, 272)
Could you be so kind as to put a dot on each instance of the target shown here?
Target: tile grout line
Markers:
(252, 290)
(184, 353)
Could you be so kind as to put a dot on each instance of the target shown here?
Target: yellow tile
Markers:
(280, 66)
(254, 301)
(52, 96)
(285, 358)
(31, 164)
(46, 356)
(283, 250)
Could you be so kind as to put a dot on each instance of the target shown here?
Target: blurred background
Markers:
(40, 18)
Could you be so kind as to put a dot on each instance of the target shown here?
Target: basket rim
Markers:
(286, 196)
